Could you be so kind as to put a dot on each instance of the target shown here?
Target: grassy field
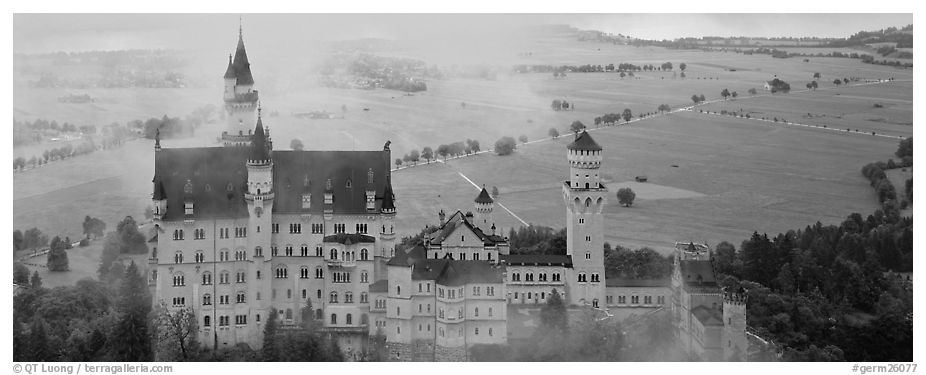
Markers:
(83, 262)
(733, 177)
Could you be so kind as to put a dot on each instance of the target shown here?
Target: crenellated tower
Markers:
(585, 197)
(484, 207)
(733, 338)
(239, 96)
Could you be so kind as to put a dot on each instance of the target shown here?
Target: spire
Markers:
(584, 142)
(388, 205)
(484, 196)
(241, 64)
(230, 71)
(260, 150)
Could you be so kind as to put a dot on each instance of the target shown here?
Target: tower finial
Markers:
(258, 109)
(240, 29)
(157, 139)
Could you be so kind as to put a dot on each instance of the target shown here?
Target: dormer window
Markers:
(329, 198)
(188, 187)
(188, 208)
(306, 201)
(370, 176)
(348, 184)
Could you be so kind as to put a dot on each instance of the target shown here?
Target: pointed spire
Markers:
(388, 205)
(260, 148)
(484, 196)
(241, 64)
(230, 71)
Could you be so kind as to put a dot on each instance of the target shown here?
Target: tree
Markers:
(695, 98)
(176, 334)
(93, 227)
(553, 314)
(443, 151)
(398, 162)
(296, 144)
(18, 238)
(20, 274)
(132, 241)
(505, 146)
(625, 196)
(905, 148)
(627, 114)
(57, 256)
(734, 94)
(427, 154)
(36, 280)
(664, 108)
(814, 85)
(269, 351)
(816, 76)
(701, 98)
(413, 156)
(553, 133)
(34, 238)
(557, 105)
(131, 331)
(522, 138)
(682, 66)
(576, 126)
(725, 93)
(39, 345)
(837, 82)
(751, 91)
(495, 193)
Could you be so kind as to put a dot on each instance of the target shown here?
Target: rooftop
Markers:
(584, 142)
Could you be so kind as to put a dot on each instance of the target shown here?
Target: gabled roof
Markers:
(408, 257)
(218, 176)
(708, 316)
(484, 196)
(630, 283)
(537, 260)
(458, 219)
(584, 142)
(349, 238)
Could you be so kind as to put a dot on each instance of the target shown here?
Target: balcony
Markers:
(340, 263)
(362, 328)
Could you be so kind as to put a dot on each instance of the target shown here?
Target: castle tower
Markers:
(239, 96)
(484, 207)
(259, 199)
(733, 338)
(585, 197)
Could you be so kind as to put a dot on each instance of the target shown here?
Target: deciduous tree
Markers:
(625, 196)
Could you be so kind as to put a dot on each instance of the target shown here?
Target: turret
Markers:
(240, 98)
(230, 80)
(159, 198)
(585, 198)
(260, 145)
(584, 157)
(484, 207)
(735, 345)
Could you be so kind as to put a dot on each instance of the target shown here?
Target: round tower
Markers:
(239, 96)
(585, 198)
(484, 207)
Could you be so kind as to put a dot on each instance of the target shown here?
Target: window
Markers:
(364, 298)
(622, 300)
(207, 278)
(319, 295)
(318, 250)
(178, 257)
(398, 290)
(648, 300)
(273, 250)
(223, 277)
(365, 277)
(475, 290)
(179, 280)
(199, 234)
(348, 297)
(318, 228)
(581, 221)
(258, 251)
(609, 299)
(334, 254)
(304, 272)
(295, 228)
(476, 330)
(661, 300)
(556, 276)
(275, 228)
(364, 254)
(634, 300)
(595, 278)
(490, 331)
(516, 277)
(333, 297)
(476, 256)
(289, 250)
(179, 301)
(240, 277)
(207, 321)
(223, 299)
(398, 311)
(199, 257)
(595, 302)
(258, 275)
(304, 250)
(490, 311)
(207, 299)
(240, 298)
(241, 255)
(349, 319)
(281, 272)
(490, 290)
(241, 320)
(476, 312)
(588, 255)
(289, 293)
(319, 273)
(334, 318)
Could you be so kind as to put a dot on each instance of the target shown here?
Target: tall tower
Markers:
(259, 199)
(484, 207)
(585, 197)
(733, 338)
(239, 96)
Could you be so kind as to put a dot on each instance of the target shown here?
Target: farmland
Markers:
(733, 177)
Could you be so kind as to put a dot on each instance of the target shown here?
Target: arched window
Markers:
(178, 257)
(334, 254)
(333, 297)
(364, 277)
(588, 201)
(364, 254)
(207, 278)
(349, 319)
(348, 297)
(207, 321)
(207, 299)
(364, 319)
(304, 272)
(223, 277)
(334, 318)
(476, 312)
(319, 273)
(398, 290)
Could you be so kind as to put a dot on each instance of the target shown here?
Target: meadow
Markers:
(733, 176)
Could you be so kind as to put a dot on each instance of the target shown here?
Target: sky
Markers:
(38, 33)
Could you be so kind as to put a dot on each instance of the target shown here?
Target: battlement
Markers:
(734, 298)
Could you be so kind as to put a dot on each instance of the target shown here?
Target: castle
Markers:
(318, 227)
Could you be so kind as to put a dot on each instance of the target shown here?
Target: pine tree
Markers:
(38, 343)
(36, 280)
(57, 256)
(268, 351)
(132, 330)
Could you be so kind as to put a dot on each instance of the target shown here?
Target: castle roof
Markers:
(708, 316)
(218, 176)
(537, 260)
(158, 194)
(698, 274)
(241, 64)
(388, 196)
(349, 238)
(584, 142)
(381, 286)
(461, 272)
(408, 257)
(484, 196)
(459, 220)
(260, 149)
(636, 283)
